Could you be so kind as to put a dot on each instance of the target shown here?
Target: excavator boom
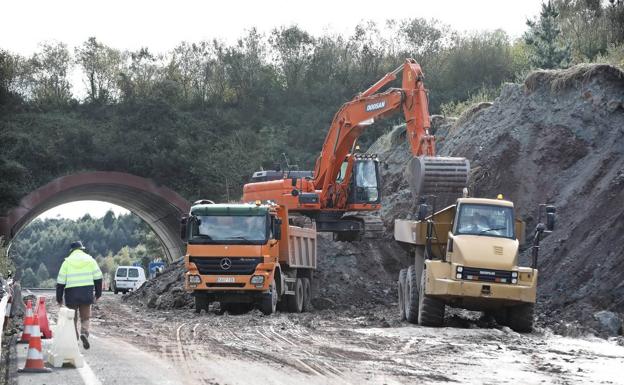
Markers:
(343, 181)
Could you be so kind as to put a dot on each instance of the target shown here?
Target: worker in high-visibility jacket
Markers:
(78, 277)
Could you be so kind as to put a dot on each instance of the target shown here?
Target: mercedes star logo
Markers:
(226, 263)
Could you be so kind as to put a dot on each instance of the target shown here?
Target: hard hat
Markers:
(76, 245)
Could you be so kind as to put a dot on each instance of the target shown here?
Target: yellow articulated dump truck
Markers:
(466, 256)
(248, 254)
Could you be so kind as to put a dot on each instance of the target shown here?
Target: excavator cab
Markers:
(364, 186)
(365, 181)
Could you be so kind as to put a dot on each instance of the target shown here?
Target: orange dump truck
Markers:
(248, 254)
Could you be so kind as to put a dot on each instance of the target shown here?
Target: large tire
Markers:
(430, 310)
(268, 303)
(201, 303)
(307, 295)
(116, 291)
(411, 295)
(520, 318)
(295, 302)
(401, 290)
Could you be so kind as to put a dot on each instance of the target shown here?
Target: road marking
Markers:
(88, 377)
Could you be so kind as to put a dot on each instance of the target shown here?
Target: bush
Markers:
(457, 108)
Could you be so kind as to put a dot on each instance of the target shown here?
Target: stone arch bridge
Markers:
(160, 207)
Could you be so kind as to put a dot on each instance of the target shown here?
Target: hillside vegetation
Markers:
(203, 116)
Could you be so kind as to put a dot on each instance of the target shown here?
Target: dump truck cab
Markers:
(467, 256)
(240, 254)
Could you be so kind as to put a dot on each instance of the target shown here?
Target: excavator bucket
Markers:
(442, 177)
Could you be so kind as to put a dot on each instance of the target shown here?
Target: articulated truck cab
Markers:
(466, 256)
(248, 254)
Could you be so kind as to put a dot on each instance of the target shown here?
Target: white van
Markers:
(128, 278)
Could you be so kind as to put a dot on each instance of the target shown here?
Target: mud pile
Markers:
(558, 138)
(163, 292)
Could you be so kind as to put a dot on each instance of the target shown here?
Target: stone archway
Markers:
(160, 207)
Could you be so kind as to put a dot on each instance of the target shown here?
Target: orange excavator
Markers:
(344, 181)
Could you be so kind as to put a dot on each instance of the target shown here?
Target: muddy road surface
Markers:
(328, 347)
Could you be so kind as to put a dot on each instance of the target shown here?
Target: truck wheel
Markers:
(116, 291)
(520, 318)
(295, 302)
(430, 310)
(268, 304)
(307, 295)
(201, 303)
(401, 284)
(411, 295)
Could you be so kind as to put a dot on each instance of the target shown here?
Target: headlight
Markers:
(514, 280)
(257, 280)
(514, 274)
(458, 276)
(460, 269)
(194, 279)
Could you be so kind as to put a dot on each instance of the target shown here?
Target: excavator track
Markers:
(440, 178)
(372, 224)
(373, 227)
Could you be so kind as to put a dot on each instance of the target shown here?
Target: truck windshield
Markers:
(488, 220)
(229, 229)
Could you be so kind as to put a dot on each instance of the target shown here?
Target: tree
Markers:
(293, 48)
(544, 40)
(42, 273)
(47, 72)
(101, 66)
(109, 219)
(29, 279)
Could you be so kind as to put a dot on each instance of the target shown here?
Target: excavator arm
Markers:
(327, 193)
(350, 121)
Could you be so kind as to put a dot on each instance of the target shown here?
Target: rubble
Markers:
(609, 322)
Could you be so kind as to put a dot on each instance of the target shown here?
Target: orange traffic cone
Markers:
(28, 322)
(42, 317)
(34, 358)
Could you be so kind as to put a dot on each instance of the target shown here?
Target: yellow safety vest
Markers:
(78, 269)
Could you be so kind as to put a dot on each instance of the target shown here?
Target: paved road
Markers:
(134, 346)
(109, 361)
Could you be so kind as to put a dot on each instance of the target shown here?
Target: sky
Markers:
(161, 25)
(78, 209)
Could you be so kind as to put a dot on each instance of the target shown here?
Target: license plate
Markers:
(225, 279)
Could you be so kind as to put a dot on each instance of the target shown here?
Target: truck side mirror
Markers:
(550, 217)
(184, 228)
(277, 229)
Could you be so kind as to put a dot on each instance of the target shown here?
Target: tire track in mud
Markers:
(326, 349)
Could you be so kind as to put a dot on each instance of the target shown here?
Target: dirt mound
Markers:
(163, 292)
(558, 138)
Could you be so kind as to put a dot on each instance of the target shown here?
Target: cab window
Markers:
(133, 273)
(487, 220)
(122, 272)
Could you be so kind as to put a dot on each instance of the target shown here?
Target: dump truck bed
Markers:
(300, 249)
